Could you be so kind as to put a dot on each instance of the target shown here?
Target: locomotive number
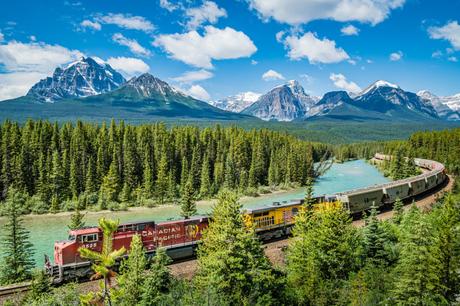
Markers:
(89, 245)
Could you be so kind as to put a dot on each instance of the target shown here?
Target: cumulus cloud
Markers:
(207, 12)
(132, 44)
(93, 25)
(194, 76)
(168, 5)
(396, 56)
(199, 50)
(449, 32)
(272, 75)
(27, 63)
(453, 59)
(128, 66)
(349, 30)
(126, 21)
(340, 81)
(316, 50)
(198, 92)
(296, 12)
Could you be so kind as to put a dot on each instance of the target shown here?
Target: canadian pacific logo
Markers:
(191, 231)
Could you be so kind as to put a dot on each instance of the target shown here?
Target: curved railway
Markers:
(273, 221)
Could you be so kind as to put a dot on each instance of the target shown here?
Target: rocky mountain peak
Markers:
(82, 78)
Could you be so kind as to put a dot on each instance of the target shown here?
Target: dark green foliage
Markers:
(418, 277)
(398, 209)
(141, 164)
(76, 220)
(158, 279)
(40, 285)
(187, 201)
(321, 256)
(132, 275)
(231, 262)
(17, 250)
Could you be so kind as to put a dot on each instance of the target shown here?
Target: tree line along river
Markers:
(46, 229)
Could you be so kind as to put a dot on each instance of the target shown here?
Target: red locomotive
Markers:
(179, 238)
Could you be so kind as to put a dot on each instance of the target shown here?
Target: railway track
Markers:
(14, 289)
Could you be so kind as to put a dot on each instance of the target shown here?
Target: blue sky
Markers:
(212, 49)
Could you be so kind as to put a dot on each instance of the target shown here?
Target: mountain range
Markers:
(89, 89)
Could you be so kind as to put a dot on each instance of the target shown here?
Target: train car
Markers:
(179, 238)
(273, 221)
(362, 199)
(394, 192)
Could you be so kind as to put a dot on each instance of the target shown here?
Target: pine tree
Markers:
(187, 202)
(398, 211)
(90, 180)
(158, 279)
(40, 286)
(111, 183)
(375, 240)
(447, 224)
(18, 252)
(148, 179)
(132, 274)
(161, 184)
(56, 177)
(231, 258)
(76, 220)
(418, 277)
(321, 256)
(205, 182)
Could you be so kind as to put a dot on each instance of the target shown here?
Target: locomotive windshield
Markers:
(71, 237)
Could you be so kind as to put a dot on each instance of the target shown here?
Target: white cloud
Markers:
(352, 62)
(349, 30)
(2, 37)
(129, 66)
(296, 12)
(169, 6)
(194, 76)
(340, 81)
(207, 12)
(33, 38)
(272, 75)
(94, 25)
(126, 21)
(396, 56)
(27, 63)
(450, 32)
(453, 59)
(314, 49)
(132, 44)
(199, 51)
(437, 54)
(369, 61)
(308, 78)
(254, 62)
(279, 36)
(198, 92)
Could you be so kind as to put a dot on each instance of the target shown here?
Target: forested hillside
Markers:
(442, 146)
(100, 166)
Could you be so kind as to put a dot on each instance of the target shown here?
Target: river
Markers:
(45, 229)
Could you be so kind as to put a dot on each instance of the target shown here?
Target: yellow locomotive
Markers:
(277, 220)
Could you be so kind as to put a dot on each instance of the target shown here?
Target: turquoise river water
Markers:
(45, 229)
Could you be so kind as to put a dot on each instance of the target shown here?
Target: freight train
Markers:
(180, 237)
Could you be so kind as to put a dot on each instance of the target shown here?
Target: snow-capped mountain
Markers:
(442, 108)
(237, 102)
(283, 103)
(453, 102)
(385, 97)
(83, 78)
